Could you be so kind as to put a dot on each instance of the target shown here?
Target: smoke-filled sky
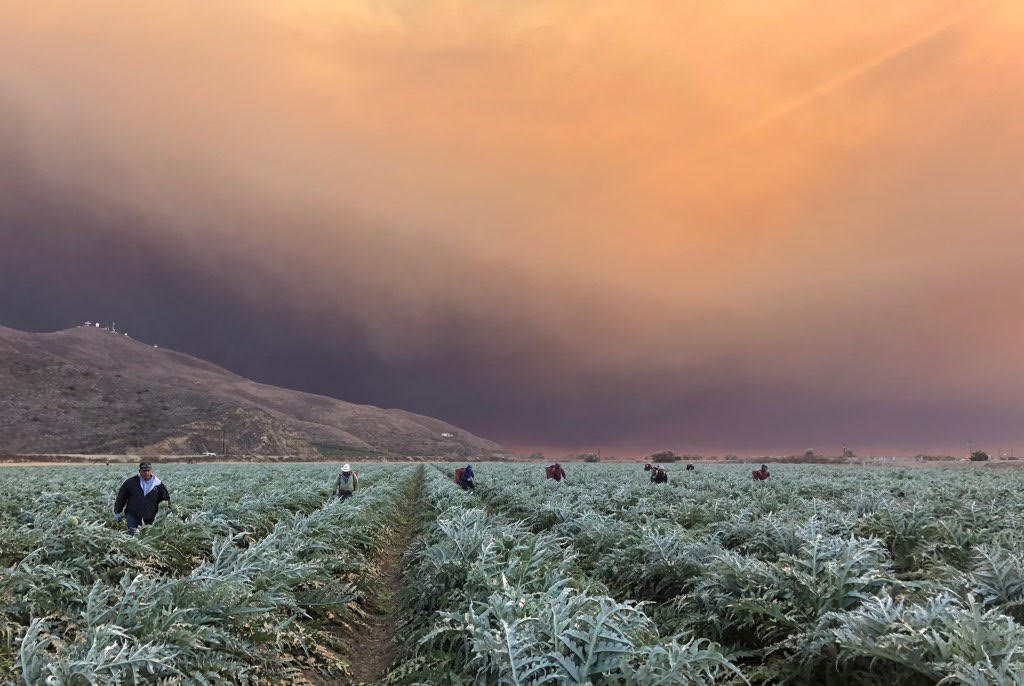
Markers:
(736, 226)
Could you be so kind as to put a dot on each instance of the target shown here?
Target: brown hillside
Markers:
(89, 390)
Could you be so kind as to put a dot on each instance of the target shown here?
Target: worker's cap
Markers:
(346, 468)
(144, 465)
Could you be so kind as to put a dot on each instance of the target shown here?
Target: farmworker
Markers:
(658, 475)
(690, 467)
(139, 498)
(761, 474)
(555, 472)
(466, 478)
(347, 483)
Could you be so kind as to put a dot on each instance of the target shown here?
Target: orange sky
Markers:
(787, 195)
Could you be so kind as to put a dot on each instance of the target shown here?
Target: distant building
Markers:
(447, 434)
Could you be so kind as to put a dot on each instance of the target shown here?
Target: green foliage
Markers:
(243, 584)
(770, 572)
(939, 640)
(507, 608)
(694, 662)
(996, 576)
(840, 576)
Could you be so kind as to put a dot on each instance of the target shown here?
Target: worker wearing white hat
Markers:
(347, 483)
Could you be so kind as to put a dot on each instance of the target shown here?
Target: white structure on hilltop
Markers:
(447, 434)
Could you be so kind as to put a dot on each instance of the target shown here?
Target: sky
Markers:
(732, 227)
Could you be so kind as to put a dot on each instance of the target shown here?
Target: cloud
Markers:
(539, 218)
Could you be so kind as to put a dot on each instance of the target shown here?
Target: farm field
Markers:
(822, 575)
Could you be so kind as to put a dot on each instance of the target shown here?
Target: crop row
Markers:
(210, 594)
(819, 577)
(822, 575)
(498, 604)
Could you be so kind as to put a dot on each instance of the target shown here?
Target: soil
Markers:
(375, 648)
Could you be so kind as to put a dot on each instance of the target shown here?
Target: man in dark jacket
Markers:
(466, 478)
(658, 475)
(555, 472)
(140, 497)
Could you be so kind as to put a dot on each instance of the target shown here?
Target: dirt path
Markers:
(374, 648)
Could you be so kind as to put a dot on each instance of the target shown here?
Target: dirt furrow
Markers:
(374, 647)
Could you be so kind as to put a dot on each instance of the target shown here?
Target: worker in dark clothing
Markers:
(465, 479)
(555, 472)
(139, 498)
(658, 475)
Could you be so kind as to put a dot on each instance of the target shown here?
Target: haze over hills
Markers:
(89, 390)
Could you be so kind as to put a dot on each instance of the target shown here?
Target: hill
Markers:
(88, 390)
